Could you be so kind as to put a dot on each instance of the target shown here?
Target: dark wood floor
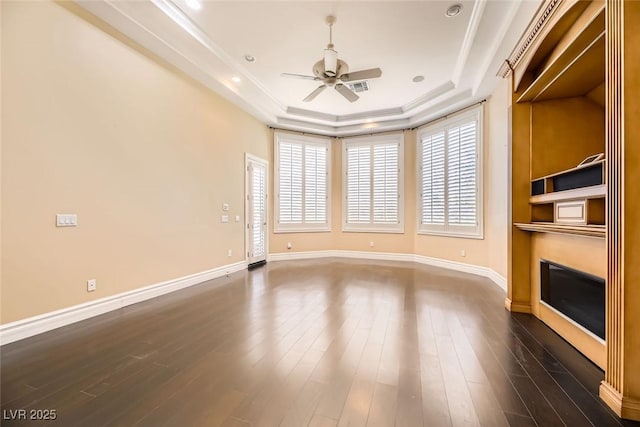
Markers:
(309, 343)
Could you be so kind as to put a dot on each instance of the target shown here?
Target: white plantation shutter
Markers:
(385, 183)
(461, 178)
(432, 176)
(373, 184)
(449, 176)
(359, 184)
(302, 183)
(315, 184)
(290, 188)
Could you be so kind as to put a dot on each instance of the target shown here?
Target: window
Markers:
(373, 184)
(302, 183)
(450, 176)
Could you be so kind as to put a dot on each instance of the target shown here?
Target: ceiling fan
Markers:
(333, 72)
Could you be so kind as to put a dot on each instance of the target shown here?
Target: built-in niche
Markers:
(575, 294)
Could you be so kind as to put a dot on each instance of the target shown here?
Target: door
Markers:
(256, 209)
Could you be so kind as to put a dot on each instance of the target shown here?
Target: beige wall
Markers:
(489, 252)
(1, 133)
(97, 127)
(497, 220)
(143, 156)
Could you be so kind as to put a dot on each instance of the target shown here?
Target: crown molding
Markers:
(543, 16)
(469, 38)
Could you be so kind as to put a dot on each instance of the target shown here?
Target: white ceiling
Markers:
(458, 56)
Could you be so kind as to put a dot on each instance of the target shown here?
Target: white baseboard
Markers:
(435, 262)
(384, 256)
(25, 328)
(498, 279)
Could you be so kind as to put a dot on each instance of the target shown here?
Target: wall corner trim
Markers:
(516, 307)
(20, 329)
(623, 406)
(611, 397)
(420, 259)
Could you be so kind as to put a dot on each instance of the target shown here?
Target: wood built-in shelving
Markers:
(593, 192)
(574, 76)
(598, 231)
(570, 71)
(559, 121)
(573, 197)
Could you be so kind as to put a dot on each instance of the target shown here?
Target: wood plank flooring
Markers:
(308, 343)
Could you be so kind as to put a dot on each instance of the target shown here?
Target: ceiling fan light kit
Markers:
(332, 72)
(330, 62)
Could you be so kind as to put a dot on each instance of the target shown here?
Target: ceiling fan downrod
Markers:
(330, 55)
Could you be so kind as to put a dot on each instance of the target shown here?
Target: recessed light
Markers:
(194, 4)
(249, 58)
(453, 10)
(418, 79)
(235, 79)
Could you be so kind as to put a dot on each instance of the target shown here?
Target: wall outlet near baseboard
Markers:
(289, 245)
(463, 253)
(92, 285)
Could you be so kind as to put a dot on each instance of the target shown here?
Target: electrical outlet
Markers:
(92, 285)
(463, 253)
(229, 252)
(371, 244)
(289, 245)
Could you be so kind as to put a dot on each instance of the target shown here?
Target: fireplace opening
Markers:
(578, 295)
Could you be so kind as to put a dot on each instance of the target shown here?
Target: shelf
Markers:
(598, 231)
(593, 192)
(577, 69)
(577, 168)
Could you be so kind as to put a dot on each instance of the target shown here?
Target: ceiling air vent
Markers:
(358, 86)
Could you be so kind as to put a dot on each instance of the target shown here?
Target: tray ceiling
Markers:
(457, 56)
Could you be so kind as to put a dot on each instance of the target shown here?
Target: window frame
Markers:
(301, 227)
(446, 229)
(373, 227)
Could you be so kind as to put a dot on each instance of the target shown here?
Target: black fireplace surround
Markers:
(578, 295)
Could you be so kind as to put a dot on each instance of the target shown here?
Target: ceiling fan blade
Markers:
(300, 76)
(361, 75)
(347, 93)
(315, 93)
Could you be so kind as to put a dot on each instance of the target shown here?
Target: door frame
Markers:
(247, 235)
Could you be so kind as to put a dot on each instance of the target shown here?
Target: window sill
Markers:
(452, 234)
(373, 230)
(301, 230)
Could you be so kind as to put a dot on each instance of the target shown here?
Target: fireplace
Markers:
(577, 295)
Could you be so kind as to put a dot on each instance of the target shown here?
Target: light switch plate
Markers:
(66, 220)
(224, 218)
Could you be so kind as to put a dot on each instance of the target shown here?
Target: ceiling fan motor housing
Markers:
(319, 71)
